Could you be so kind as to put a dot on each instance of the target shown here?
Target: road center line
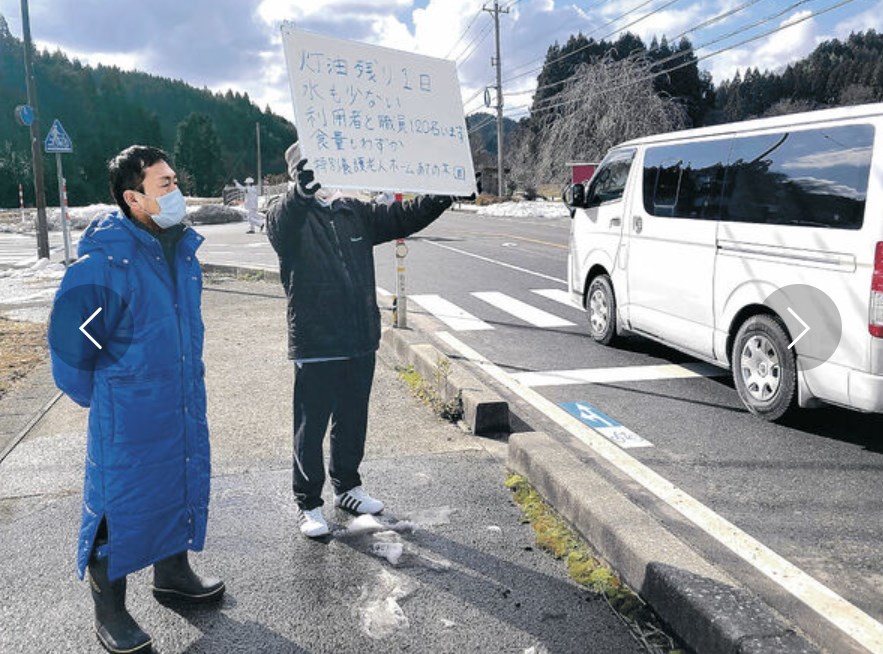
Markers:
(498, 263)
(830, 606)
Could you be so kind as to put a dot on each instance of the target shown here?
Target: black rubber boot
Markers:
(174, 579)
(116, 629)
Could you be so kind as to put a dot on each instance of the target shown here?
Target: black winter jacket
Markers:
(326, 264)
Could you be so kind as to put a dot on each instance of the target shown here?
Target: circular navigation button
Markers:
(813, 321)
(90, 327)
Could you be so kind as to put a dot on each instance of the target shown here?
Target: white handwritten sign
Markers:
(373, 118)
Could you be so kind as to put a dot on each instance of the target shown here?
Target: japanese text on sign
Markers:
(373, 118)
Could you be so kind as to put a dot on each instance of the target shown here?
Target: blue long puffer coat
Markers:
(147, 454)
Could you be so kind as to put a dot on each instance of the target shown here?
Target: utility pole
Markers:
(257, 129)
(496, 11)
(36, 149)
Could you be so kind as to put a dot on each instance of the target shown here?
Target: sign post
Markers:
(59, 142)
(21, 203)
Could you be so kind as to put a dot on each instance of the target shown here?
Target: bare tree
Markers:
(605, 103)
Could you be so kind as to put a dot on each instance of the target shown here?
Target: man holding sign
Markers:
(368, 118)
(326, 264)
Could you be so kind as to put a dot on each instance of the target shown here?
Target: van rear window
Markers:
(816, 178)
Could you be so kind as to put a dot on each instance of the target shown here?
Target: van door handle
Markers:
(637, 224)
(616, 221)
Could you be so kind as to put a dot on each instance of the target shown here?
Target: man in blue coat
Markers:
(126, 337)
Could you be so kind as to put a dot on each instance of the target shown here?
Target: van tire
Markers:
(764, 369)
(601, 310)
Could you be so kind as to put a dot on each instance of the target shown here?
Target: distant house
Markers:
(581, 172)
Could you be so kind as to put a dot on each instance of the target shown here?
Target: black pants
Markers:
(339, 391)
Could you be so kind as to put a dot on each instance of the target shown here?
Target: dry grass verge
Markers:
(24, 346)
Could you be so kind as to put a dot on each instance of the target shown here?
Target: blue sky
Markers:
(223, 44)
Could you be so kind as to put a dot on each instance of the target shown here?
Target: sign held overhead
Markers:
(373, 118)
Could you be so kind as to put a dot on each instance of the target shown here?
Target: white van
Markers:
(756, 246)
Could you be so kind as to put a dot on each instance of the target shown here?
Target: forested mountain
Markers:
(105, 109)
(836, 73)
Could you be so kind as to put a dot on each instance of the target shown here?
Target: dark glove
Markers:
(306, 180)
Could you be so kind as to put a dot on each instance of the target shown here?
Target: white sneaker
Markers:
(312, 523)
(356, 500)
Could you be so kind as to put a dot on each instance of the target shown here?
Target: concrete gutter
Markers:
(705, 607)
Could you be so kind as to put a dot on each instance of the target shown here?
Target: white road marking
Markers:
(383, 292)
(557, 295)
(522, 310)
(618, 374)
(450, 314)
(495, 262)
(830, 606)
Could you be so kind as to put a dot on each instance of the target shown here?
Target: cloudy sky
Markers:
(235, 44)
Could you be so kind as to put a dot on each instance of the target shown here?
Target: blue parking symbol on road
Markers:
(611, 429)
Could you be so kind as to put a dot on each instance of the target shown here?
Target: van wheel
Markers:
(601, 310)
(764, 369)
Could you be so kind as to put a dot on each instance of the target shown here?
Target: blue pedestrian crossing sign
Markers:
(57, 139)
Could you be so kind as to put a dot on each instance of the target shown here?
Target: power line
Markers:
(740, 30)
(677, 37)
(555, 31)
(600, 27)
(687, 63)
(465, 32)
(478, 39)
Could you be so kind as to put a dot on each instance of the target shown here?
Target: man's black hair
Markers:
(126, 171)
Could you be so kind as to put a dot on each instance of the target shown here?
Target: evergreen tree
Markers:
(198, 156)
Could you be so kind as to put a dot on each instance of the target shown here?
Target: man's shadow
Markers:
(220, 633)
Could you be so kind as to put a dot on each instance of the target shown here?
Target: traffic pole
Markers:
(400, 301)
(69, 246)
(62, 207)
(21, 203)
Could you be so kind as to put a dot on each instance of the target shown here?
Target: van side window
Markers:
(685, 180)
(608, 182)
(816, 177)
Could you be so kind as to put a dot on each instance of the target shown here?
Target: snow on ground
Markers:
(80, 217)
(26, 293)
(533, 209)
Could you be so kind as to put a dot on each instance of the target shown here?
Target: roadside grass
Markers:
(24, 346)
(433, 393)
(555, 536)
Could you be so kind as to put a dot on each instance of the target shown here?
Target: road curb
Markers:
(484, 412)
(707, 609)
(252, 273)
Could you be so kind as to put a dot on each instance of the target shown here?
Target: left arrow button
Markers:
(87, 334)
(91, 326)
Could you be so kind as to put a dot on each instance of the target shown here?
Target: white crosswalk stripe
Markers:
(21, 249)
(558, 295)
(618, 375)
(522, 310)
(449, 313)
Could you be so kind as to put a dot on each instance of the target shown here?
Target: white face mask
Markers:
(325, 196)
(172, 209)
